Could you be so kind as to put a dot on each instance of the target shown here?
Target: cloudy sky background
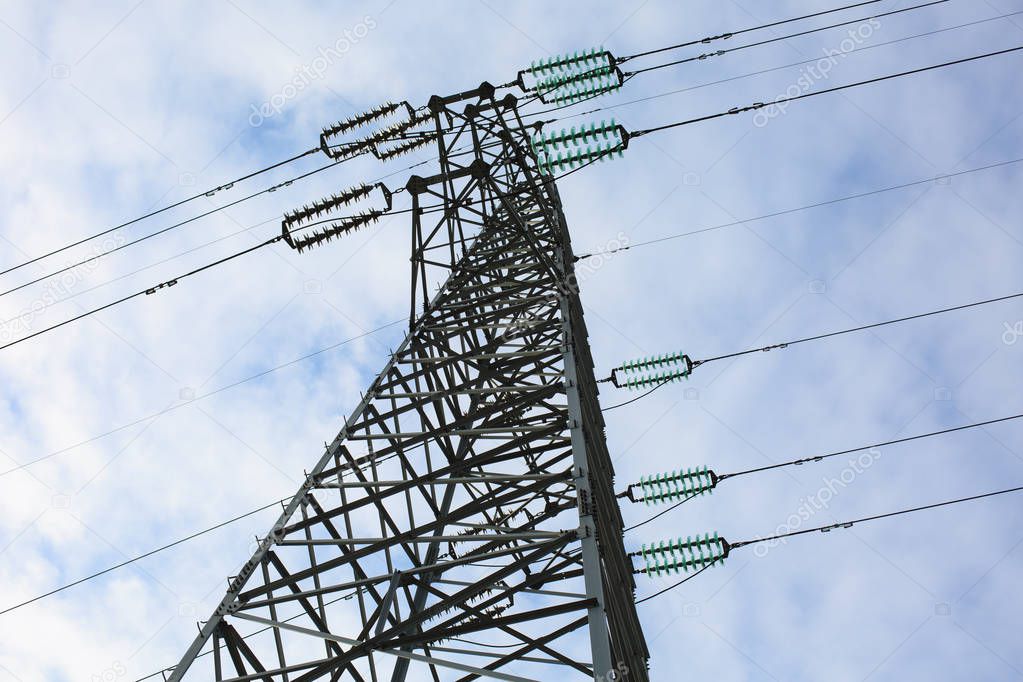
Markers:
(108, 110)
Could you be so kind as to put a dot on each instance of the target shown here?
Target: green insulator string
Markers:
(581, 92)
(654, 361)
(574, 148)
(674, 485)
(674, 556)
(577, 61)
(549, 162)
(627, 375)
(548, 85)
(585, 134)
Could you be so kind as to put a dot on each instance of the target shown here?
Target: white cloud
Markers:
(165, 97)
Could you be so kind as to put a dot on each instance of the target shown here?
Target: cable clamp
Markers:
(164, 285)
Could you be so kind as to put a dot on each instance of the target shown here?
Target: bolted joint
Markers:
(436, 104)
(479, 169)
(486, 90)
(416, 184)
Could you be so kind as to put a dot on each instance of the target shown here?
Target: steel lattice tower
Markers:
(468, 500)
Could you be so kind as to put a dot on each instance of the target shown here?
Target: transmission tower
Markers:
(463, 523)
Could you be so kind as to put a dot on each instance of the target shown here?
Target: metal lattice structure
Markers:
(463, 523)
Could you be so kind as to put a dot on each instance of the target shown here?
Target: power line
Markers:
(782, 38)
(672, 587)
(202, 396)
(276, 218)
(798, 209)
(874, 325)
(140, 557)
(875, 517)
(187, 221)
(142, 292)
(761, 72)
(677, 365)
(641, 395)
(680, 366)
(728, 547)
(784, 100)
(629, 75)
(895, 441)
(76, 294)
(655, 484)
(207, 193)
(730, 34)
(661, 513)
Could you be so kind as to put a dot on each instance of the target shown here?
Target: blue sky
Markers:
(110, 110)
